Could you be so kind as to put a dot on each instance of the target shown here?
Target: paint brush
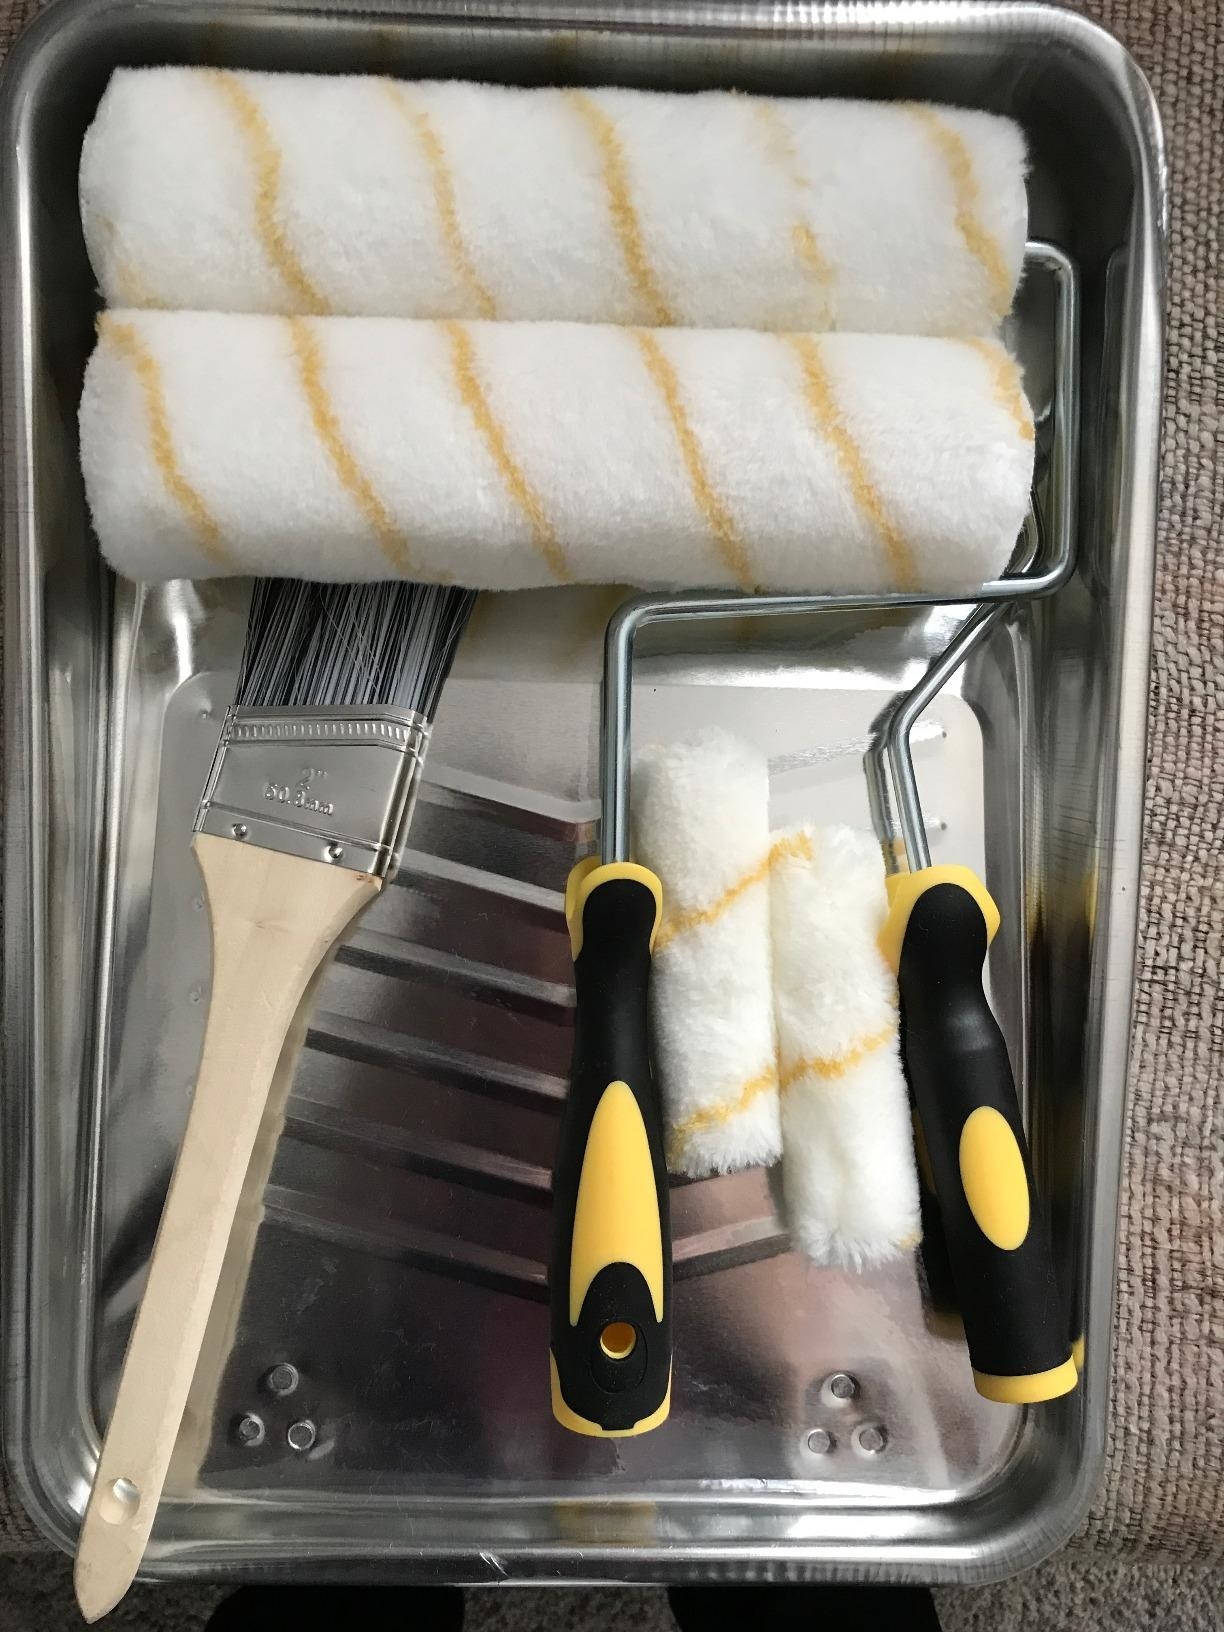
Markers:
(302, 822)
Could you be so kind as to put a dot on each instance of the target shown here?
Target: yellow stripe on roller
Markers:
(585, 878)
(442, 181)
(1028, 1390)
(476, 400)
(267, 163)
(967, 202)
(131, 286)
(831, 424)
(803, 240)
(132, 345)
(831, 1067)
(824, 1067)
(616, 1216)
(308, 356)
(780, 145)
(1006, 384)
(904, 889)
(582, 1425)
(718, 1115)
(713, 508)
(1077, 1353)
(993, 1178)
(791, 846)
(621, 208)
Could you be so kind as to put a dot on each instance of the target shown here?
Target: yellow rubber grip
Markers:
(582, 1425)
(616, 1216)
(994, 1179)
(1028, 1390)
(904, 890)
(590, 874)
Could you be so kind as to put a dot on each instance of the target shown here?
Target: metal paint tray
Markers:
(395, 1255)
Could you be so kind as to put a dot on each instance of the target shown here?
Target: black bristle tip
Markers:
(350, 645)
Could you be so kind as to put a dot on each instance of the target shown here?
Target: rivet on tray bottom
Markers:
(301, 1435)
(249, 1431)
(820, 1441)
(871, 1437)
(282, 1379)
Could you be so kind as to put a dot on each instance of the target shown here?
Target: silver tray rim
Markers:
(892, 24)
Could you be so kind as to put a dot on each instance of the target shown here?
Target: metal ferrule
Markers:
(335, 785)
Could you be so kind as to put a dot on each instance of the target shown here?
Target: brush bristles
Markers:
(350, 645)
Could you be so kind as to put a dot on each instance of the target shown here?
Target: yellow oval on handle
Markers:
(993, 1178)
(616, 1215)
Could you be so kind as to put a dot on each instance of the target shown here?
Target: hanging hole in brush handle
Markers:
(610, 1283)
(941, 922)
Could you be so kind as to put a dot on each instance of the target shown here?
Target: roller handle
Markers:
(940, 926)
(610, 1282)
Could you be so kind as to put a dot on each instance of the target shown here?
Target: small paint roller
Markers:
(701, 824)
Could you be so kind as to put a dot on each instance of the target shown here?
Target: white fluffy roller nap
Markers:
(701, 822)
(367, 196)
(848, 1171)
(512, 455)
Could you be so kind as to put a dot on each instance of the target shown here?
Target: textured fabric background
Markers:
(1163, 1493)
(1164, 1486)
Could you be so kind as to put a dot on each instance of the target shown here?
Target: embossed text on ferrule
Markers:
(299, 795)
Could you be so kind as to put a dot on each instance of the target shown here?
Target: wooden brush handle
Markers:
(221, 1333)
(275, 919)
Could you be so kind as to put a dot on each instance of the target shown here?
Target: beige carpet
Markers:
(1164, 1486)
(1164, 1491)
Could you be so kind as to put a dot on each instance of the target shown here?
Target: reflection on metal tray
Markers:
(390, 1257)
(403, 1231)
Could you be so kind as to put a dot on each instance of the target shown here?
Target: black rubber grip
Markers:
(961, 1080)
(612, 1363)
(940, 1306)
